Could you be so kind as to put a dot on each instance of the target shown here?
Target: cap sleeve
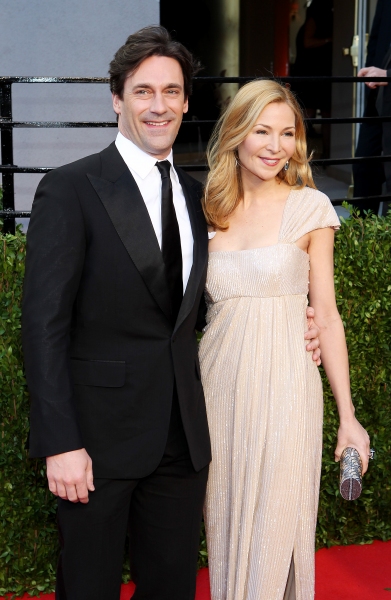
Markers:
(306, 210)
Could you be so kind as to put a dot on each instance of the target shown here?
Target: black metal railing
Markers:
(7, 125)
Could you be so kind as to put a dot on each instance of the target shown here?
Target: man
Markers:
(369, 178)
(115, 273)
(383, 105)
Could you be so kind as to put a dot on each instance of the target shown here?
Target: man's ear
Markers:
(186, 106)
(116, 104)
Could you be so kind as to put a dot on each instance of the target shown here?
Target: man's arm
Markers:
(54, 263)
(201, 315)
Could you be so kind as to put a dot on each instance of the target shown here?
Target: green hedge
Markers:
(28, 550)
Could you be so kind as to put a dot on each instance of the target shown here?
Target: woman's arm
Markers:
(332, 342)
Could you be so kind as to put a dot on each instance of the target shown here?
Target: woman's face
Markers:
(270, 143)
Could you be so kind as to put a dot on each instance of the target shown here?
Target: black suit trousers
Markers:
(387, 151)
(162, 512)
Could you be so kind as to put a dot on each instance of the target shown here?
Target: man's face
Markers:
(153, 104)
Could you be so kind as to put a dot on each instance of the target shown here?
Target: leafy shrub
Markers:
(28, 546)
(28, 538)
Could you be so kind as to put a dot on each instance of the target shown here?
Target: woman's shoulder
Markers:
(312, 197)
(308, 209)
(310, 202)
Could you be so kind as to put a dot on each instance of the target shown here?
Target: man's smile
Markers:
(157, 123)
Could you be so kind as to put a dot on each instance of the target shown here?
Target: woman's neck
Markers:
(256, 190)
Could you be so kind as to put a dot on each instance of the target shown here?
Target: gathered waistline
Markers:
(241, 296)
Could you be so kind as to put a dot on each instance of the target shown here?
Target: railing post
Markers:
(7, 156)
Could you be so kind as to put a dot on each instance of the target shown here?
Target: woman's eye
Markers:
(261, 131)
(289, 133)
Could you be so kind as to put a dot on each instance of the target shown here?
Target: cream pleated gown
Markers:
(264, 402)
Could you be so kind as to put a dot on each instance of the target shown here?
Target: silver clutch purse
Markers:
(350, 483)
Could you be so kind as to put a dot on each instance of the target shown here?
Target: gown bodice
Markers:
(270, 271)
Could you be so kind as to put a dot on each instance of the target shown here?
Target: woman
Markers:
(263, 392)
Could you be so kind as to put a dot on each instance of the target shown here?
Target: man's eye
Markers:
(173, 92)
(143, 92)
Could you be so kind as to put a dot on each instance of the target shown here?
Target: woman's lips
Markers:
(270, 162)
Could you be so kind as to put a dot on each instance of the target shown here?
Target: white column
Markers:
(226, 15)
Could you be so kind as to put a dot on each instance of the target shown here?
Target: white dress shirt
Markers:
(143, 168)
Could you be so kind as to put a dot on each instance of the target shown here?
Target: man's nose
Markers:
(158, 105)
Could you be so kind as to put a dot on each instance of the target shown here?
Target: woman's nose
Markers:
(274, 143)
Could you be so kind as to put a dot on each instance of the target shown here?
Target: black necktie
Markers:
(171, 241)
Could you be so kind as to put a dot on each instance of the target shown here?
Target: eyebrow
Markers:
(268, 126)
(149, 85)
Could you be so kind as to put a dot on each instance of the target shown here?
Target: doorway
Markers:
(211, 32)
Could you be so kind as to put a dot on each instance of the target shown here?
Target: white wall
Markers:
(63, 38)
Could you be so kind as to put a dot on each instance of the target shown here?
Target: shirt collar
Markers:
(137, 160)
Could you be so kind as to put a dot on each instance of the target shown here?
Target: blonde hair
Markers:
(224, 190)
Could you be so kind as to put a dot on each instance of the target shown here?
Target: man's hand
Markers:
(373, 72)
(313, 335)
(70, 475)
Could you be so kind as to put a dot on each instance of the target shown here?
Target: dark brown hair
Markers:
(150, 41)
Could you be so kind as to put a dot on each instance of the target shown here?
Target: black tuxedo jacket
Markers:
(383, 102)
(380, 36)
(101, 353)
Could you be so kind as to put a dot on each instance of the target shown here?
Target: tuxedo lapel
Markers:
(191, 191)
(126, 208)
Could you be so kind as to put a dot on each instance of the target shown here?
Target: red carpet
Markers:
(342, 573)
(354, 572)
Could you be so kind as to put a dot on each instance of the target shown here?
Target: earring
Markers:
(286, 166)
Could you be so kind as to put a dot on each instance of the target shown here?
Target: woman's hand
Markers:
(353, 435)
